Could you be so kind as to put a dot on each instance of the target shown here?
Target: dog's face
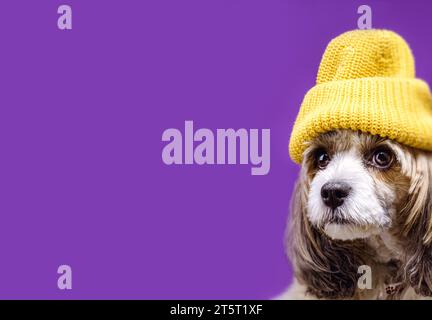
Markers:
(358, 183)
(352, 186)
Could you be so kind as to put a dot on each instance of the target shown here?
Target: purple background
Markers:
(81, 117)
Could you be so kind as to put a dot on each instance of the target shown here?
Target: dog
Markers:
(361, 199)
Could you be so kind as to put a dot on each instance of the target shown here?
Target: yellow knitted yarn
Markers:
(366, 81)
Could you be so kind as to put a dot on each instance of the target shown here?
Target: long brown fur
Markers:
(327, 268)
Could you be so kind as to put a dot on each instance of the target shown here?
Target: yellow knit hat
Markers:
(366, 81)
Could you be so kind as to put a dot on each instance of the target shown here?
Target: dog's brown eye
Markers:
(382, 158)
(322, 159)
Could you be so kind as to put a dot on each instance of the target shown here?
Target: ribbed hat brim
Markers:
(395, 108)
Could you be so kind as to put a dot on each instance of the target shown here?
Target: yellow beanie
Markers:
(366, 81)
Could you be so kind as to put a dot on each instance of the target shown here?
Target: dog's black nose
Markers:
(334, 193)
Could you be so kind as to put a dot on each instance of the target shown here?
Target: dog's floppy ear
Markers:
(326, 267)
(417, 225)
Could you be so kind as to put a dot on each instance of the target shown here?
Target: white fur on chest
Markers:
(386, 247)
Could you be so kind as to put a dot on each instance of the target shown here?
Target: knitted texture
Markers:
(366, 81)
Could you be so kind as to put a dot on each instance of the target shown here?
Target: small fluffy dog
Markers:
(361, 200)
